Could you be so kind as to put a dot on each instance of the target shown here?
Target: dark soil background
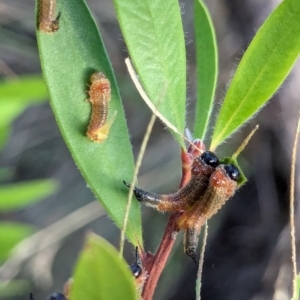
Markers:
(248, 250)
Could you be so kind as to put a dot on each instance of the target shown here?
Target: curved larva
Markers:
(100, 94)
(48, 23)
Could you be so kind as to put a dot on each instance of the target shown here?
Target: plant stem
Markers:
(156, 265)
(161, 257)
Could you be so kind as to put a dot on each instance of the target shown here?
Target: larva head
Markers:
(210, 159)
(136, 270)
(232, 171)
(49, 26)
(204, 164)
(234, 168)
(97, 76)
(223, 183)
(225, 180)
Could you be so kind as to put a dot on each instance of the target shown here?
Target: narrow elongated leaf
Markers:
(18, 195)
(24, 89)
(14, 288)
(15, 96)
(100, 274)
(10, 234)
(264, 66)
(154, 36)
(206, 67)
(69, 57)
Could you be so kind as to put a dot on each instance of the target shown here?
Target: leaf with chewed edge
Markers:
(69, 57)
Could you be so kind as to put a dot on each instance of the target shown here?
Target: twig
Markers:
(134, 180)
(47, 237)
(245, 142)
(142, 150)
(201, 261)
(292, 204)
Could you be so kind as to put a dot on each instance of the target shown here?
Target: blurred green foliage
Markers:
(15, 96)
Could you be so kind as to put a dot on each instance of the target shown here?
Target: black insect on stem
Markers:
(55, 296)
(138, 271)
(136, 267)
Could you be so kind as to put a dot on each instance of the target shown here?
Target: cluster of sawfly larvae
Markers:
(210, 185)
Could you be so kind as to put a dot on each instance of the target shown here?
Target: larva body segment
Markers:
(100, 95)
(222, 186)
(201, 169)
(48, 23)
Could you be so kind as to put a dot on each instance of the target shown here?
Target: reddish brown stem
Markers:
(155, 265)
(161, 257)
(186, 167)
(187, 157)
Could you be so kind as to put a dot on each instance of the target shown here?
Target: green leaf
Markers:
(69, 57)
(296, 294)
(25, 89)
(101, 274)
(15, 96)
(206, 67)
(14, 288)
(10, 235)
(263, 68)
(4, 134)
(18, 195)
(154, 37)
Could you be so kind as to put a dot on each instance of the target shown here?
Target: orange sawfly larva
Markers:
(48, 23)
(100, 95)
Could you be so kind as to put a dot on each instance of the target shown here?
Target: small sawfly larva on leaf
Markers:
(100, 95)
(48, 23)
